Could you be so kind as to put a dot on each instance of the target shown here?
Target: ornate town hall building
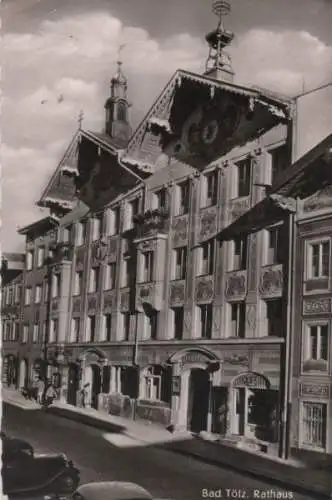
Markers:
(146, 310)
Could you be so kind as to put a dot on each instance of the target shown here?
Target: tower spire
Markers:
(218, 64)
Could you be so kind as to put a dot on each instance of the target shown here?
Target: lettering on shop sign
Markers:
(317, 306)
(319, 390)
(253, 380)
(194, 357)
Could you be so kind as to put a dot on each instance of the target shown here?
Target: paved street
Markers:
(102, 456)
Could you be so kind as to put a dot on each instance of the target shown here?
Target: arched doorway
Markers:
(198, 400)
(24, 374)
(73, 383)
(96, 385)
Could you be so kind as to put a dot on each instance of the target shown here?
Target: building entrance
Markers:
(96, 386)
(198, 402)
(73, 384)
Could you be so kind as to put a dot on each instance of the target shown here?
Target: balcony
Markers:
(271, 281)
(236, 285)
(152, 222)
(150, 295)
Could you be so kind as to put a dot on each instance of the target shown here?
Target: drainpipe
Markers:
(288, 358)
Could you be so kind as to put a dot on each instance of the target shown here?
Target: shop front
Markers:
(10, 370)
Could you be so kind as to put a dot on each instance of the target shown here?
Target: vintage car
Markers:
(27, 474)
(112, 490)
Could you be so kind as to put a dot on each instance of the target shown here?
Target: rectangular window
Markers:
(207, 264)
(8, 331)
(56, 286)
(314, 425)
(110, 276)
(38, 294)
(180, 263)
(25, 334)
(107, 320)
(94, 279)
(274, 317)
(160, 198)
(279, 160)
(132, 211)
(151, 325)
(81, 233)
(78, 284)
(75, 330)
(114, 221)
(53, 331)
(97, 227)
(125, 273)
(238, 319)
(126, 325)
(240, 249)
(319, 260)
(243, 178)
(67, 234)
(152, 387)
(16, 331)
(35, 336)
(91, 329)
(274, 246)
(147, 267)
(18, 291)
(40, 256)
(178, 317)
(29, 260)
(183, 190)
(10, 296)
(211, 189)
(206, 316)
(27, 296)
(318, 342)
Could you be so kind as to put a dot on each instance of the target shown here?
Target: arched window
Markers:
(122, 111)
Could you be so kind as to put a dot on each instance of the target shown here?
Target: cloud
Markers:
(74, 58)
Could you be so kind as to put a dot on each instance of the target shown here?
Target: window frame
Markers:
(309, 258)
(205, 322)
(240, 319)
(304, 444)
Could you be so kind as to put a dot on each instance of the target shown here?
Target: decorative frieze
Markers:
(124, 300)
(204, 289)
(92, 302)
(238, 207)
(149, 294)
(180, 230)
(76, 304)
(317, 306)
(208, 223)
(271, 282)
(109, 300)
(315, 390)
(177, 293)
(236, 285)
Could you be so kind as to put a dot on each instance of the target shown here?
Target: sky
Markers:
(58, 57)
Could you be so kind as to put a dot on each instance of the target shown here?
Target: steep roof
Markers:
(179, 98)
(60, 190)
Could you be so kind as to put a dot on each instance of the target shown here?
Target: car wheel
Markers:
(67, 484)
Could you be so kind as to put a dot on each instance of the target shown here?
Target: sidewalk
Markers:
(288, 475)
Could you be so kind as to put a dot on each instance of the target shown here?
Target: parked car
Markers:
(112, 490)
(27, 474)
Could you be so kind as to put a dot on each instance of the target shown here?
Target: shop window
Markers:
(314, 425)
(318, 260)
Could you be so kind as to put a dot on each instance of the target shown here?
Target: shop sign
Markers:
(194, 357)
(251, 380)
(176, 385)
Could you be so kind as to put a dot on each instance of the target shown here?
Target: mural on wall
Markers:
(204, 289)
(271, 281)
(236, 285)
(177, 293)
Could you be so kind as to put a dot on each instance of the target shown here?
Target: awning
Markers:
(269, 211)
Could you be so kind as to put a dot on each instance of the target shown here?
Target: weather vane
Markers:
(221, 8)
(121, 47)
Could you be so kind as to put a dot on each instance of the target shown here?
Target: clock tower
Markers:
(117, 109)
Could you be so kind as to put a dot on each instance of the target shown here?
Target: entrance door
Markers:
(96, 386)
(73, 384)
(240, 411)
(199, 393)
